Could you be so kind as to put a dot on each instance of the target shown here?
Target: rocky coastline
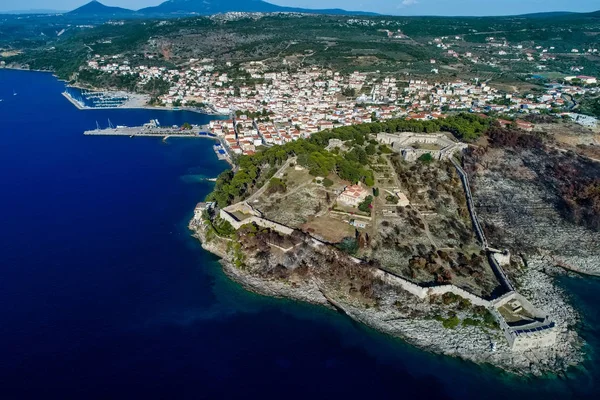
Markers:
(413, 322)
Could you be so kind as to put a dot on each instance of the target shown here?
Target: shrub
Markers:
(327, 182)
(391, 199)
(451, 323)
(365, 206)
(277, 185)
(426, 158)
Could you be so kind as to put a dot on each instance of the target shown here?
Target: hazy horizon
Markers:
(390, 7)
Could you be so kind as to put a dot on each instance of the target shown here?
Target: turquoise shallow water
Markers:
(103, 293)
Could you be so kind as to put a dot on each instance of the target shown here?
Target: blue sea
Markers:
(104, 294)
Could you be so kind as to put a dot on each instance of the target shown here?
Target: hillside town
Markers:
(278, 107)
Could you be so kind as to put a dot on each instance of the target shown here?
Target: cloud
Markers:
(407, 3)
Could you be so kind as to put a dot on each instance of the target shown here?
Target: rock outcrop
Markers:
(357, 292)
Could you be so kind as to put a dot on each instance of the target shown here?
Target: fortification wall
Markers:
(394, 280)
(424, 292)
(284, 230)
(244, 208)
(543, 338)
(476, 300)
(229, 218)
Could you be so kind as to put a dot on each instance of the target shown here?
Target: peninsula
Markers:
(390, 223)
(425, 176)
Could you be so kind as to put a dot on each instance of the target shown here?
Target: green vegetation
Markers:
(371, 149)
(426, 158)
(348, 245)
(155, 86)
(391, 199)
(327, 182)
(254, 171)
(451, 322)
(365, 205)
(591, 107)
(238, 255)
(222, 228)
(277, 185)
(349, 92)
(259, 115)
(325, 40)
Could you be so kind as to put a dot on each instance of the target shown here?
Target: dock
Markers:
(106, 100)
(160, 133)
(154, 129)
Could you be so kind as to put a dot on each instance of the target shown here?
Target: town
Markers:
(273, 108)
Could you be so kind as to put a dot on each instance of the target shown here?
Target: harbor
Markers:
(153, 128)
(107, 100)
(93, 100)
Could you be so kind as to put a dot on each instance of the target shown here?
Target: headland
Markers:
(389, 251)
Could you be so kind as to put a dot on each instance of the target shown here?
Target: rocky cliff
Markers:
(322, 275)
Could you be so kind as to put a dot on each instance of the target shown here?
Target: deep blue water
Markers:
(104, 295)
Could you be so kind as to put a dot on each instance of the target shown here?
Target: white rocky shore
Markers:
(471, 343)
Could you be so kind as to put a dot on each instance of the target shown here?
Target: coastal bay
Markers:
(106, 295)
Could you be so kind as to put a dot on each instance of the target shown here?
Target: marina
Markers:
(90, 100)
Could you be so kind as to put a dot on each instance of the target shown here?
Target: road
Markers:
(572, 101)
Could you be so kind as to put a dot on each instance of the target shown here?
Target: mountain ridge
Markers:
(210, 7)
(95, 8)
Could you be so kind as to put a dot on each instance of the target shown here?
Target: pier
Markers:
(154, 129)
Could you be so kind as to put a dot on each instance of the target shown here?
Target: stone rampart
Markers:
(424, 292)
(476, 300)
(396, 281)
(237, 224)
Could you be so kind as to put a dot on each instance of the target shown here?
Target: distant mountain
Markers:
(562, 15)
(208, 7)
(35, 11)
(96, 9)
(547, 14)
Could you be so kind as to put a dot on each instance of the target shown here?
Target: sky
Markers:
(393, 7)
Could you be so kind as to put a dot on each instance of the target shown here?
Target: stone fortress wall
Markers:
(539, 332)
(534, 330)
(404, 143)
(254, 216)
(426, 292)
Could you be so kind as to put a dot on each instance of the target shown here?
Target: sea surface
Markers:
(104, 294)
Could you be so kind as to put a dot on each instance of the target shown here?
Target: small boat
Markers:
(14, 93)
